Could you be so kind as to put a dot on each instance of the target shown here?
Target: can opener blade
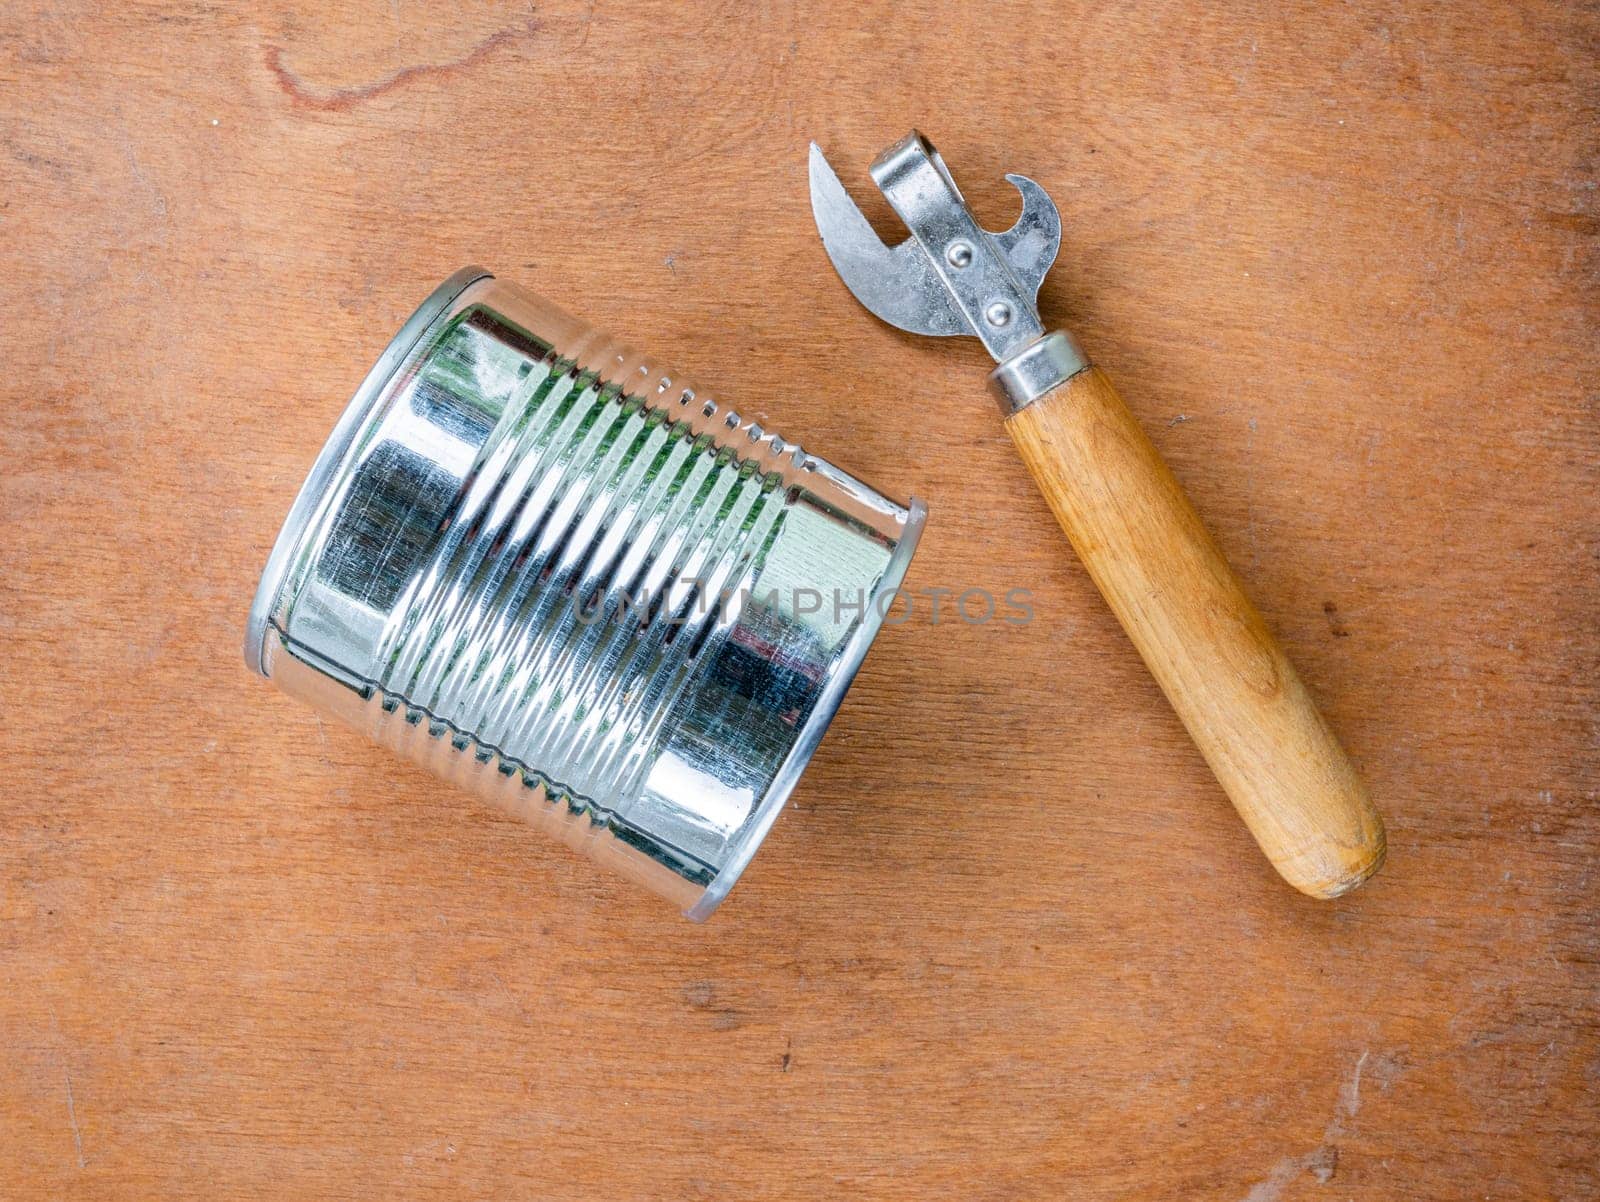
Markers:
(951, 276)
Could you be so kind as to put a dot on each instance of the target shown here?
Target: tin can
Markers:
(557, 574)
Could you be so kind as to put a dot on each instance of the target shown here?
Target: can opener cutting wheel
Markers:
(1117, 502)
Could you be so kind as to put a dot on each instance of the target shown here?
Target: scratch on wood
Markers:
(1350, 1095)
(72, 1117)
(588, 22)
(1270, 1189)
(305, 95)
(1322, 1162)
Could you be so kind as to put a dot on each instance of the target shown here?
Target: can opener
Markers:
(1118, 504)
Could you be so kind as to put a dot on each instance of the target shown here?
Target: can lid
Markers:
(326, 469)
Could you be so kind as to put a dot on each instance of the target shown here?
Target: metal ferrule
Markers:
(548, 569)
(1038, 368)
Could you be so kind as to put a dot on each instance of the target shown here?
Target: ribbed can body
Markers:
(558, 574)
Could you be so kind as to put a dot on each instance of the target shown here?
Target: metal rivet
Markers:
(959, 254)
(997, 314)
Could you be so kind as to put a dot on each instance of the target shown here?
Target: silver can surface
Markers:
(554, 573)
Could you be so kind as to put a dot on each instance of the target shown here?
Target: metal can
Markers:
(558, 574)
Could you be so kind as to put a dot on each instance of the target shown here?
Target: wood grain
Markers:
(1184, 609)
(1010, 941)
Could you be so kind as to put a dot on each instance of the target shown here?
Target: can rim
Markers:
(816, 724)
(330, 460)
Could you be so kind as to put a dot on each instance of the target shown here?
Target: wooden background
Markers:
(1009, 942)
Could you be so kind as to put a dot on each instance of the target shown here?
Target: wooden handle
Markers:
(1206, 645)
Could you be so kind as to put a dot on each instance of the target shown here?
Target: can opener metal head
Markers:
(1118, 504)
(952, 276)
